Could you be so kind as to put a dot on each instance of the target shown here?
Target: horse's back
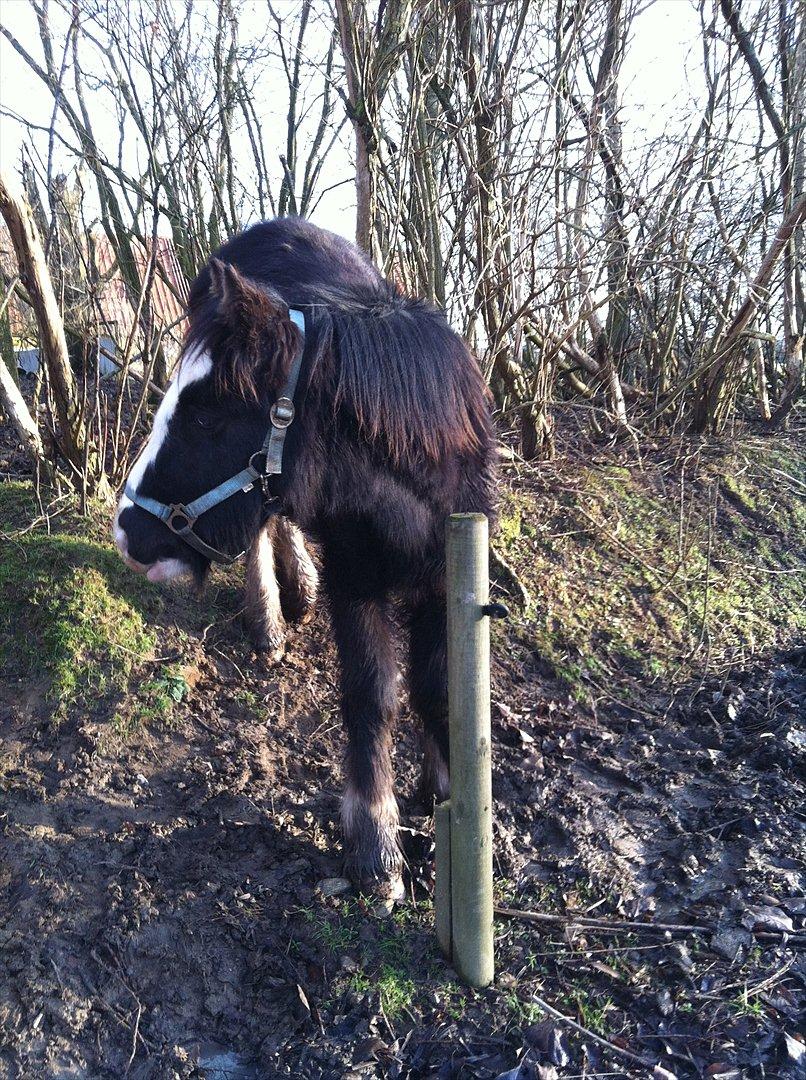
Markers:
(298, 259)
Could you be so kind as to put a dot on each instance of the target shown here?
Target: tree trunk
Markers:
(352, 25)
(24, 424)
(761, 381)
(36, 278)
(706, 406)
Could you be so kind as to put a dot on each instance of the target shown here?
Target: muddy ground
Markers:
(163, 912)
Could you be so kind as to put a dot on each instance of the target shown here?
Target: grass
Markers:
(592, 1013)
(153, 700)
(70, 612)
(639, 578)
(589, 1010)
(386, 960)
(396, 990)
(743, 1005)
(79, 627)
(334, 934)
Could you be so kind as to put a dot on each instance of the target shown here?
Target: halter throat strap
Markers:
(181, 517)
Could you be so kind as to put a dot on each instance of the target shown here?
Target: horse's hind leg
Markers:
(296, 572)
(363, 631)
(262, 613)
(428, 689)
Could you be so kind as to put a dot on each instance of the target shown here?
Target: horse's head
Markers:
(212, 419)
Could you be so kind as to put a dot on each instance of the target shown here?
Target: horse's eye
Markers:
(204, 421)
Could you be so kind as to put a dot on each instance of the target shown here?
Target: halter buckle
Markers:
(282, 412)
(179, 511)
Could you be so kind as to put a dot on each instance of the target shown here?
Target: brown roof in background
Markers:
(169, 291)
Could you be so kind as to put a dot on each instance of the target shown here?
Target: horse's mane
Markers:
(410, 382)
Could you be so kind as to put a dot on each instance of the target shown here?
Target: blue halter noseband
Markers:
(181, 517)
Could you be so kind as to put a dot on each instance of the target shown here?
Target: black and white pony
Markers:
(311, 391)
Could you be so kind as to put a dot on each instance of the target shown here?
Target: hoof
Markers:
(431, 790)
(297, 610)
(384, 889)
(376, 869)
(269, 651)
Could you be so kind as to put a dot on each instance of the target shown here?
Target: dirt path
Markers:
(162, 914)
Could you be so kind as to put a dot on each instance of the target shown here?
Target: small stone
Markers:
(334, 886)
(729, 943)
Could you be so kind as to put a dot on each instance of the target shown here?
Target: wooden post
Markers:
(442, 876)
(471, 856)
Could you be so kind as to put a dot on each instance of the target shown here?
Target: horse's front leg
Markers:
(262, 612)
(296, 572)
(364, 637)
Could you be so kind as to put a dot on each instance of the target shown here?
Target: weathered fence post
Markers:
(467, 864)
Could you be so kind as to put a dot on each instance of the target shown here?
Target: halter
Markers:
(181, 517)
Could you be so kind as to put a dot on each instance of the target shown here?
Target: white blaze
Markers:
(193, 367)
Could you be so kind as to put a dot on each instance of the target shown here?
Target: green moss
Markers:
(70, 612)
(514, 520)
(18, 505)
(633, 583)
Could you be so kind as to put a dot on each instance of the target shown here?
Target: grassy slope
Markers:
(643, 574)
(69, 611)
(640, 574)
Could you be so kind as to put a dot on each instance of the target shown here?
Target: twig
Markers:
(608, 926)
(628, 1054)
(12, 288)
(499, 564)
(590, 923)
(135, 1033)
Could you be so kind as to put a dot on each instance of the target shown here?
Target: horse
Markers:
(313, 391)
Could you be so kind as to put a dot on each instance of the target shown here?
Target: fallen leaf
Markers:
(765, 917)
(303, 1000)
(795, 1047)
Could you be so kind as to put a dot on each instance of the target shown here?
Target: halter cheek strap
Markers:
(181, 517)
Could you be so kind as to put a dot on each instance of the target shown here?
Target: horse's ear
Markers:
(259, 334)
(238, 297)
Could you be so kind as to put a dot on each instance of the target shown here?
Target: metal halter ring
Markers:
(282, 412)
(179, 511)
(257, 454)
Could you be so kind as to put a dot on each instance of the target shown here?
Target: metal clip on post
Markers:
(495, 611)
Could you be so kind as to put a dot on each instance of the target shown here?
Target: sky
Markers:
(661, 77)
